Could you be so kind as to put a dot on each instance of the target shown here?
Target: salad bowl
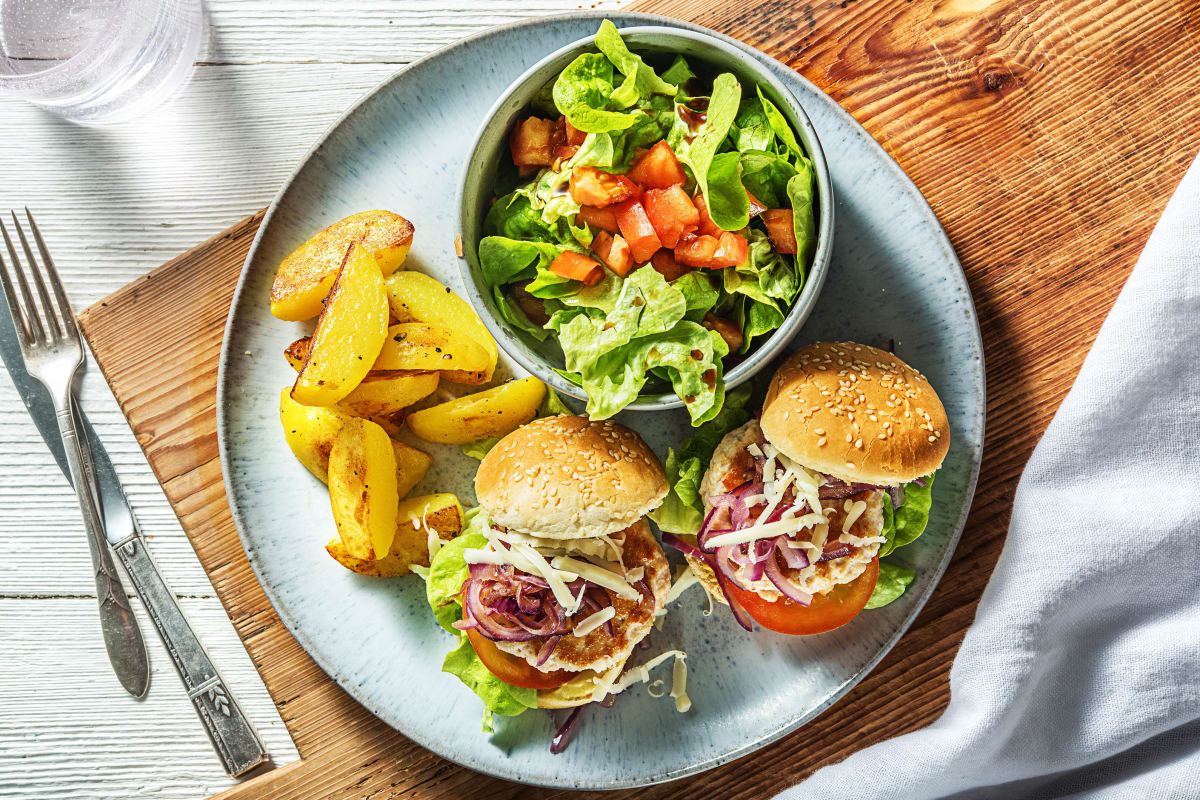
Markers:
(484, 171)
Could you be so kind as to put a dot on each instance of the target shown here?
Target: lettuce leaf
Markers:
(766, 176)
(893, 581)
(697, 151)
(804, 223)
(447, 572)
(679, 71)
(640, 80)
(582, 93)
(903, 525)
(728, 203)
(769, 284)
(751, 130)
(779, 125)
(503, 260)
(682, 509)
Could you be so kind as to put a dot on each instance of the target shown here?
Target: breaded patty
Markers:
(632, 621)
(732, 465)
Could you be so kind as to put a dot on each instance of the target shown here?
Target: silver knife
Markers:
(228, 728)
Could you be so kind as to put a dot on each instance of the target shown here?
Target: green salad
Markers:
(654, 225)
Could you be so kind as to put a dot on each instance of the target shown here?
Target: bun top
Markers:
(857, 413)
(569, 478)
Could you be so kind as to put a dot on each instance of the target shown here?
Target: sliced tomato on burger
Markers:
(595, 187)
(512, 669)
(827, 611)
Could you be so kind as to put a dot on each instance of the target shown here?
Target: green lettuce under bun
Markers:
(447, 572)
(742, 146)
(893, 581)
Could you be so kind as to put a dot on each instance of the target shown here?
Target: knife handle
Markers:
(233, 737)
(122, 637)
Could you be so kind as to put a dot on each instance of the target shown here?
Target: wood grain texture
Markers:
(1031, 129)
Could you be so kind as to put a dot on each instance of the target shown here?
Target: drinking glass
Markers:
(98, 61)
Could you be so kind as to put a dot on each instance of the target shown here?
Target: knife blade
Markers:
(232, 736)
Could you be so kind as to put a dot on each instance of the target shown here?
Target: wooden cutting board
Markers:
(1047, 135)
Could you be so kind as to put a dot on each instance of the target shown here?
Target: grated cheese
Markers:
(765, 531)
(853, 512)
(636, 574)
(597, 575)
(679, 685)
(594, 621)
(433, 543)
(685, 581)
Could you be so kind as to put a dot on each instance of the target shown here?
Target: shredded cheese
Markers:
(636, 574)
(853, 512)
(552, 576)
(765, 531)
(679, 685)
(685, 581)
(594, 621)
(860, 541)
(597, 575)
(433, 543)
(656, 688)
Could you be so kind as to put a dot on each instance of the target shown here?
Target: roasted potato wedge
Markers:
(310, 431)
(494, 412)
(424, 346)
(381, 393)
(416, 297)
(417, 517)
(304, 279)
(362, 487)
(350, 333)
(411, 466)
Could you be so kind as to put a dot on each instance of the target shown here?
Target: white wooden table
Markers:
(113, 203)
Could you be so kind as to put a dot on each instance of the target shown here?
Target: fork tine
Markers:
(24, 320)
(66, 316)
(47, 315)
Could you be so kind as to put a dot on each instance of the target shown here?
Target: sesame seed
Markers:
(858, 443)
(820, 431)
(932, 439)
(849, 438)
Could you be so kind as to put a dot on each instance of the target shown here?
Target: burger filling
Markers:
(778, 529)
(565, 604)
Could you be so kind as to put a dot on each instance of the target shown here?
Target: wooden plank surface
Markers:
(1033, 133)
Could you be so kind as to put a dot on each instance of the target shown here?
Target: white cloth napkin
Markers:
(1080, 677)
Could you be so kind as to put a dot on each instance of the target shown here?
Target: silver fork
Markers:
(53, 351)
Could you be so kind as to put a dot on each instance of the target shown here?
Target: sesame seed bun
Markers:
(568, 478)
(857, 413)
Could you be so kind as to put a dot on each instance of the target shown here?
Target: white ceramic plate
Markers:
(893, 275)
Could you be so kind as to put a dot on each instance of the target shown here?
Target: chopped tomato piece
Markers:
(733, 250)
(595, 187)
(574, 135)
(603, 218)
(671, 213)
(729, 331)
(564, 151)
(780, 229)
(577, 267)
(664, 262)
(711, 252)
(530, 144)
(756, 205)
(614, 252)
(638, 232)
(707, 226)
(657, 168)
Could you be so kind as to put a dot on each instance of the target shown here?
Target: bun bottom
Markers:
(579, 690)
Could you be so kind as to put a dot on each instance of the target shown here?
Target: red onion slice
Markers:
(841, 551)
(794, 557)
(562, 736)
(786, 587)
(686, 548)
(896, 493)
(546, 649)
(739, 614)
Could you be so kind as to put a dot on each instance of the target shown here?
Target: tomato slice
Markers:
(637, 231)
(514, 670)
(657, 168)
(603, 218)
(530, 142)
(671, 212)
(595, 187)
(614, 252)
(780, 230)
(577, 267)
(827, 611)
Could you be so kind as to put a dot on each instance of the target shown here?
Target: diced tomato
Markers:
(578, 267)
(733, 250)
(595, 187)
(664, 262)
(756, 205)
(671, 213)
(603, 218)
(707, 226)
(574, 135)
(529, 142)
(658, 168)
(638, 232)
(780, 229)
(614, 252)
(564, 151)
(711, 252)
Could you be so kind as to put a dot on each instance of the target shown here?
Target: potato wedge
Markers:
(310, 431)
(362, 487)
(437, 512)
(382, 392)
(304, 279)
(494, 412)
(349, 335)
(424, 346)
(417, 297)
(411, 466)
